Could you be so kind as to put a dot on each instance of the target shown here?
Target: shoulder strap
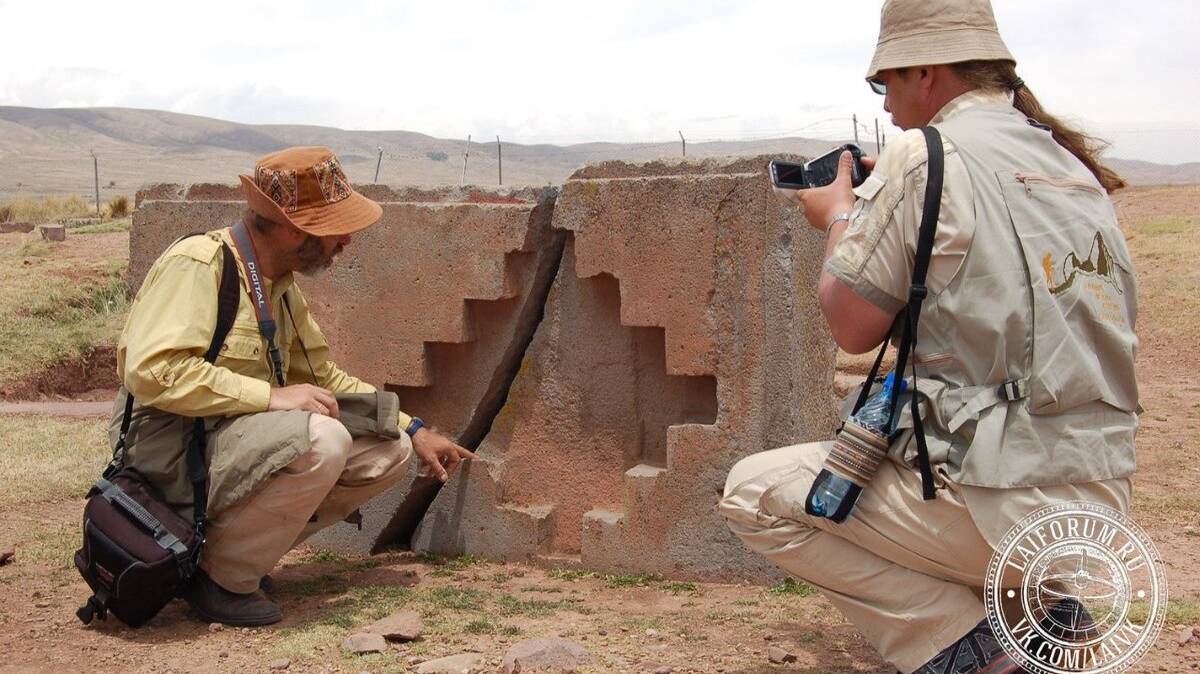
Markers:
(916, 295)
(228, 297)
(258, 297)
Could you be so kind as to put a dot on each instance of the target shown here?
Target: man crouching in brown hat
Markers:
(294, 444)
(1023, 371)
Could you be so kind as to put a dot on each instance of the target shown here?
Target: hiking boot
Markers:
(977, 652)
(216, 604)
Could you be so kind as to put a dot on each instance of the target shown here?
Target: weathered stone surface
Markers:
(465, 663)
(545, 655)
(53, 232)
(16, 227)
(364, 643)
(402, 626)
(682, 334)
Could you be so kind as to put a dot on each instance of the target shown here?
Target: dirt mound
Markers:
(92, 376)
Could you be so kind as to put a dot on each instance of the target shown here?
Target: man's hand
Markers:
(820, 204)
(438, 453)
(304, 397)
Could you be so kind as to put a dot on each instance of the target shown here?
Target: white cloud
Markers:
(572, 71)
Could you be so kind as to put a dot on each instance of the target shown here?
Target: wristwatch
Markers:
(837, 218)
(413, 426)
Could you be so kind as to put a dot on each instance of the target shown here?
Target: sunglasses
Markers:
(878, 86)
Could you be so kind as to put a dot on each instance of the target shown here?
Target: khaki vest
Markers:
(1045, 299)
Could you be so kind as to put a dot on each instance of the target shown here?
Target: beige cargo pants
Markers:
(900, 568)
(318, 489)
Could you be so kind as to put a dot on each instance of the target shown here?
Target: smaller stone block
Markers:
(53, 232)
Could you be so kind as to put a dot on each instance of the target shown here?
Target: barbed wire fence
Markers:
(482, 162)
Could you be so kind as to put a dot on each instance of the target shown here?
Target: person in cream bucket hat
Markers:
(1014, 419)
(933, 32)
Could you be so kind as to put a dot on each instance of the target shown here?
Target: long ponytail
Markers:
(1002, 75)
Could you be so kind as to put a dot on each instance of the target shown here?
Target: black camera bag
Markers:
(138, 553)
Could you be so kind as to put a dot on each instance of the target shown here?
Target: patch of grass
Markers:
(322, 556)
(569, 575)
(46, 318)
(120, 225)
(35, 248)
(632, 580)
(481, 626)
(323, 584)
(44, 209)
(118, 207)
(537, 608)
(680, 588)
(1170, 225)
(1180, 611)
(745, 602)
(793, 587)
(454, 598)
(50, 459)
(548, 589)
(54, 545)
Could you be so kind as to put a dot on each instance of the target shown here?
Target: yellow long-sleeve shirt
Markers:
(160, 355)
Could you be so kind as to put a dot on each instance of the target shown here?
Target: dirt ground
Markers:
(629, 623)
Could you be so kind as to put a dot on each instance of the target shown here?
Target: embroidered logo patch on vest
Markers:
(1098, 264)
(280, 186)
(332, 180)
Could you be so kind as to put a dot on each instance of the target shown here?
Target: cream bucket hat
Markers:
(934, 32)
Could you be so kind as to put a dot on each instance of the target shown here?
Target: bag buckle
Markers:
(1013, 389)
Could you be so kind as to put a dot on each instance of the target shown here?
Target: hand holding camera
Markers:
(822, 186)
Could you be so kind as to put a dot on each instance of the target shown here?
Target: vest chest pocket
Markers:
(1083, 298)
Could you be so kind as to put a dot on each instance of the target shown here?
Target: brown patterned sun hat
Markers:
(306, 187)
(935, 32)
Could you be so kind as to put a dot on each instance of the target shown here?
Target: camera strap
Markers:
(917, 293)
(258, 296)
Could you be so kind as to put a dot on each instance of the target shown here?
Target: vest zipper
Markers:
(1067, 183)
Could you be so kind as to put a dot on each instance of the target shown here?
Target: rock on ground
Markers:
(779, 656)
(402, 626)
(555, 655)
(364, 643)
(465, 663)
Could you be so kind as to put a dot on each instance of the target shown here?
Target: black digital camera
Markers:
(818, 172)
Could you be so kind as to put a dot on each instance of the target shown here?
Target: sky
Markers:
(567, 71)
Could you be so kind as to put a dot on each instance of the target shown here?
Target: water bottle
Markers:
(857, 451)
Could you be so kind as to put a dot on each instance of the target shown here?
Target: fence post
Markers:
(96, 174)
(683, 143)
(854, 121)
(500, 160)
(378, 162)
(466, 156)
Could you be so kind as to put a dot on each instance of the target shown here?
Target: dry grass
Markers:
(49, 459)
(57, 309)
(45, 209)
(118, 207)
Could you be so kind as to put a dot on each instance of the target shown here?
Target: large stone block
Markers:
(681, 334)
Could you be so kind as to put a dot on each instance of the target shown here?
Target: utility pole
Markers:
(378, 162)
(683, 143)
(854, 121)
(500, 160)
(466, 156)
(96, 174)
(878, 147)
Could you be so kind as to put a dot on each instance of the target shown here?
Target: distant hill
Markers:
(47, 151)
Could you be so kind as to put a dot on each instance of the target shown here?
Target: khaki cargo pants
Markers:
(900, 568)
(319, 488)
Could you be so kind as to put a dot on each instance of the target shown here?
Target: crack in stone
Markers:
(425, 488)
